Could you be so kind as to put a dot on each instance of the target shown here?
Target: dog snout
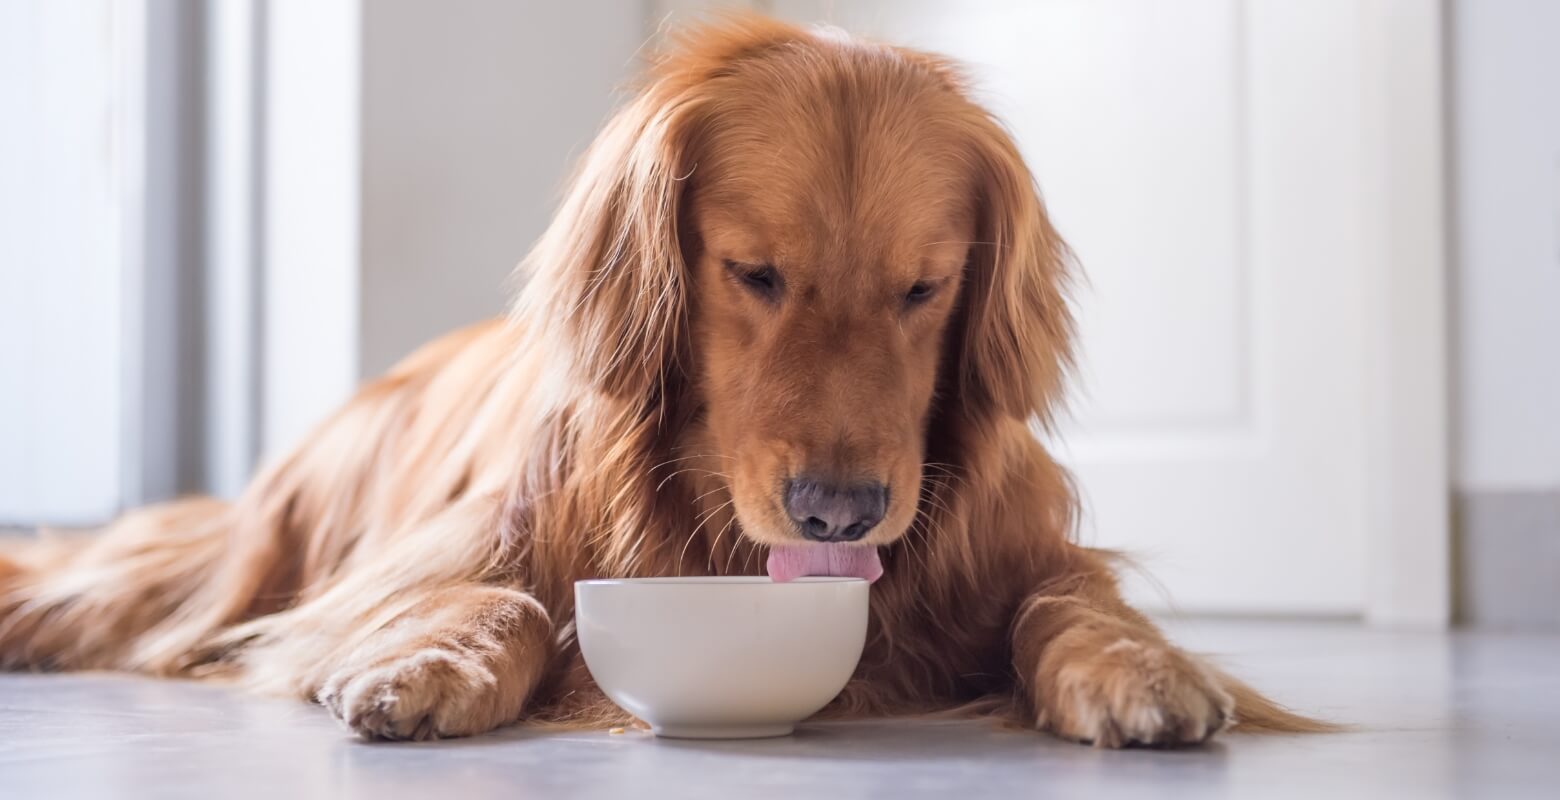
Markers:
(829, 512)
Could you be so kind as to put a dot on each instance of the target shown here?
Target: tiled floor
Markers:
(1467, 715)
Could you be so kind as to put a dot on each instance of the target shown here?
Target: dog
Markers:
(797, 313)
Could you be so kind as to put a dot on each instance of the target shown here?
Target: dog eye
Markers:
(762, 279)
(919, 292)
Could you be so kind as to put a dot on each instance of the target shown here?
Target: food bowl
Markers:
(721, 658)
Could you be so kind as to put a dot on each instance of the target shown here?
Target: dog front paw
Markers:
(431, 694)
(1117, 691)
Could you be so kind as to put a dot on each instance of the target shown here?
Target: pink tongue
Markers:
(789, 562)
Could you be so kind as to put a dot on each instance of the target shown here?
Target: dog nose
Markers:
(827, 512)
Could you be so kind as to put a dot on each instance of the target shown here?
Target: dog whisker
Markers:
(955, 241)
(668, 478)
(695, 533)
(730, 521)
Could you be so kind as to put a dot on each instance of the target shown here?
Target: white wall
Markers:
(415, 151)
(1506, 84)
(473, 111)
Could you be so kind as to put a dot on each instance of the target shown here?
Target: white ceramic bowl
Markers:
(721, 658)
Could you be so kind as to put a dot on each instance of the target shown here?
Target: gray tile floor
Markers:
(1465, 715)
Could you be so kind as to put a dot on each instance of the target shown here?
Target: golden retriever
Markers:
(797, 313)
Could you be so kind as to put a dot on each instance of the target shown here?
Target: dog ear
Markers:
(1016, 343)
(610, 272)
(612, 269)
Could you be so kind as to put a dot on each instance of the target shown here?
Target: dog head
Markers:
(827, 249)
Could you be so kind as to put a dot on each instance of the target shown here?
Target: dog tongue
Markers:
(794, 561)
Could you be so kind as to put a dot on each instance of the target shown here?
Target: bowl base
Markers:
(723, 731)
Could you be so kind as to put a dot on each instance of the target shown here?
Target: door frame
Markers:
(1409, 565)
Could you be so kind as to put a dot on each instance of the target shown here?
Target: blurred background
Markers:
(1321, 322)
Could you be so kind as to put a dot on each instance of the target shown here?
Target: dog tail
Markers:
(88, 600)
(1255, 713)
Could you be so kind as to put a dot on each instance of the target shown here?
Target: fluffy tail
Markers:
(88, 601)
(1255, 713)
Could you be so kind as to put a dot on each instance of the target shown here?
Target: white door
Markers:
(1211, 163)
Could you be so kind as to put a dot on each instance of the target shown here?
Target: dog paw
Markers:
(1124, 692)
(431, 694)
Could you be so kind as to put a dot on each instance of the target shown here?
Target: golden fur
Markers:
(410, 564)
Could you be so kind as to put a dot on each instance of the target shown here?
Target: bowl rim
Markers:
(718, 580)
